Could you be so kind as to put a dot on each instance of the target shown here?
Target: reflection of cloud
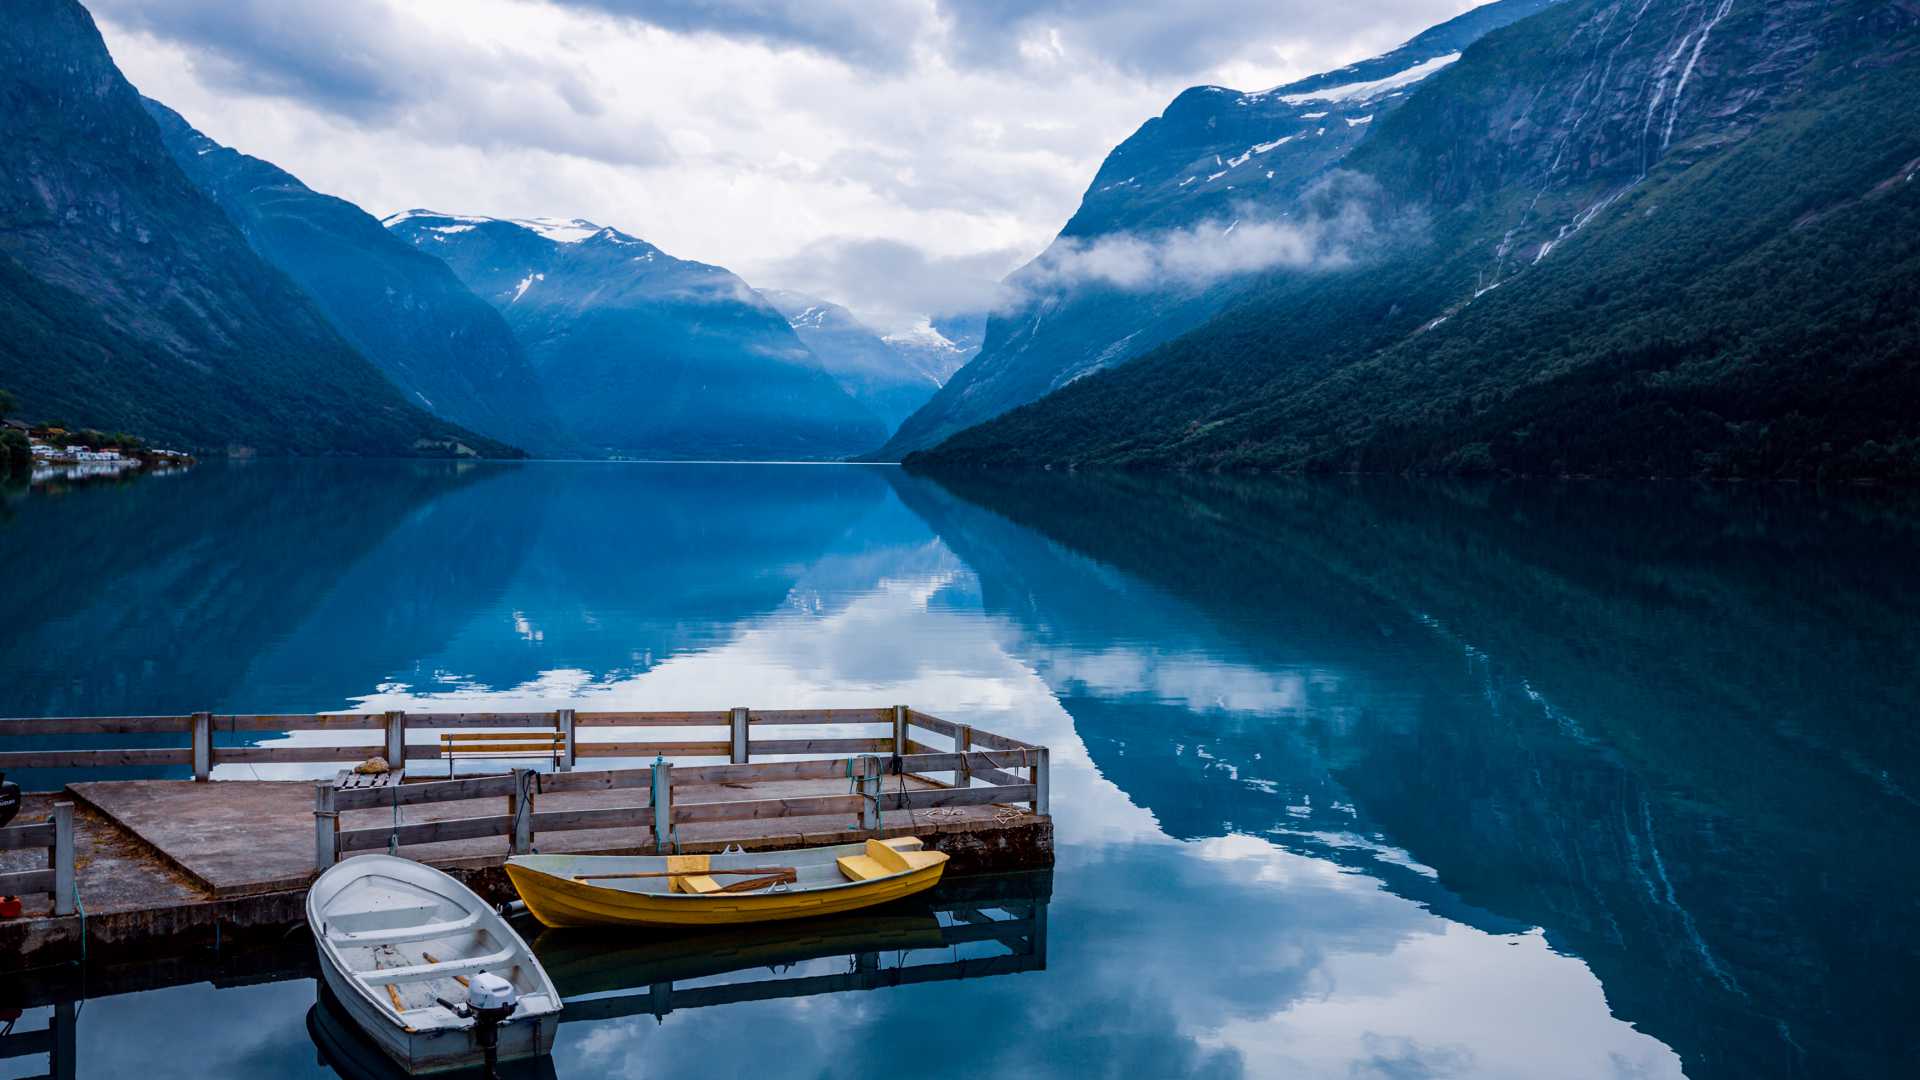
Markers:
(1194, 680)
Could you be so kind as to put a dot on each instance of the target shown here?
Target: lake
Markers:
(1351, 778)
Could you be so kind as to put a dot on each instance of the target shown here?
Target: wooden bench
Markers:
(474, 745)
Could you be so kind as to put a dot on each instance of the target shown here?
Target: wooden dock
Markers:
(182, 860)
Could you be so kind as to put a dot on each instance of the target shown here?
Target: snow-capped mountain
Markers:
(642, 354)
(891, 374)
(130, 301)
(448, 350)
(1216, 156)
(1621, 237)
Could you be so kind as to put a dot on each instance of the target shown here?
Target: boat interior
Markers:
(414, 947)
(741, 872)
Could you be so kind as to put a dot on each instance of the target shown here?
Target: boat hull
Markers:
(424, 1053)
(559, 902)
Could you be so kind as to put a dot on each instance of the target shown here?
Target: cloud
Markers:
(1334, 224)
(784, 139)
(380, 65)
(888, 283)
(868, 33)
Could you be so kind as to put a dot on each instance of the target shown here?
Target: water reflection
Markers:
(1378, 779)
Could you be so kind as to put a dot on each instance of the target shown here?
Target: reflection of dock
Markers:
(57, 1041)
(604, 978)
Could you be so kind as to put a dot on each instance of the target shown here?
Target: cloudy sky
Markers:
(896, 155)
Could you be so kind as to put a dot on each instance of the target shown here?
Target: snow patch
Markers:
(569, 231)
(1261, 148)
(1366, 91)
(1362, 120)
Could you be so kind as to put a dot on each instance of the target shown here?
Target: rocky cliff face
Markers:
(128, 300)
(1215, 159)
(1657, 237)
(645, 355)
(447, 349)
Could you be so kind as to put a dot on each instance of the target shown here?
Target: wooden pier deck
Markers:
(186, 862)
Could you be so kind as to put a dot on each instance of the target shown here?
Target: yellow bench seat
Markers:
(887, 858)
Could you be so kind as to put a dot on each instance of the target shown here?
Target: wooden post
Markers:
(563, 723)
(520, 809)
(963, 744)
(1040, 776)
(870, 789)
(61, 858)
(63, 1058)
(899, 730)
(202, 745)
(326, 825)
(396, 740)
(741, 718)
(662, 795)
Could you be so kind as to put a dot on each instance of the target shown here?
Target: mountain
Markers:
(1216, 159)
(404, 310)
(891, 375)
(1659, 238)
(645, 355)
(129, 301)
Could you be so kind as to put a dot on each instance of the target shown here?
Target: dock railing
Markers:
(204, 749)
(976, 767)
(56, 880)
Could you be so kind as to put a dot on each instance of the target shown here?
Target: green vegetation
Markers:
(1751, 308)
(16, 454)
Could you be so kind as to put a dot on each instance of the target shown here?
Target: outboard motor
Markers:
(491, 999)
(9, 799)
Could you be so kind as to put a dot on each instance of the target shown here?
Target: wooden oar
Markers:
(752, 884)
(688, 873)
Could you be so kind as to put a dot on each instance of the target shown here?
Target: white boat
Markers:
(406, 949)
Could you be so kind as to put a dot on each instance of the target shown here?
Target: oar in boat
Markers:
(766, 876)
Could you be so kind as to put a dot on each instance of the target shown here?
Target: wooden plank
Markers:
(495, 749)
(94, 725)
(704, 718)
(248, 755)
(980, 796)
(92, 759)
(767, 717)
(27, 882)
(26, 1043)
(651, 749)
(605, 817)
(597, 780)
(480, 720)
(822, 746)
(760, 809)
(931, 723)
(26, 836)
(437, 791)
(427, 832)
(299, 722)
(946, 762)
(999, 742)
(996, 776)
(760, 772)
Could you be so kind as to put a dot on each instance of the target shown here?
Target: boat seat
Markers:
(904, 843)
(402, 934)
(694, 881)
(885, 860)
(444, 969)
(379, 916)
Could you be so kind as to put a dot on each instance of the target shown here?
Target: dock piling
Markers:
(202, 746)
(738, 720)
(61, 857)
(563, 723)
(661, 793)
(396, 723)
(326, 825)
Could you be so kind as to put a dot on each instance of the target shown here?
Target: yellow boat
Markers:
(721, 890)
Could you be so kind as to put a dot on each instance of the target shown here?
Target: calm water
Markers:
(1378, 780)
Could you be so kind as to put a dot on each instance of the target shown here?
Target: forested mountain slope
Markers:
(127, 299)
(1654, 237)
(1207, 182)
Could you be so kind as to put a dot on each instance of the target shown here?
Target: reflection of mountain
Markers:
(1666, 726)
(603, 570)
(171, 587)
